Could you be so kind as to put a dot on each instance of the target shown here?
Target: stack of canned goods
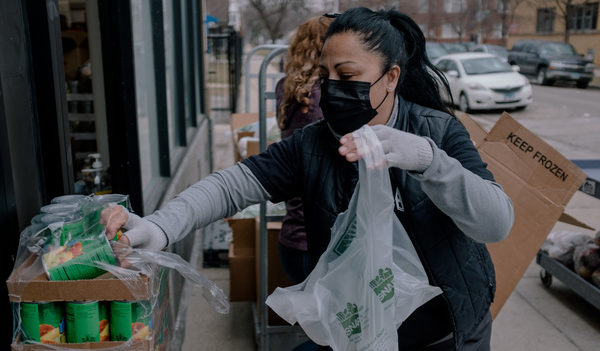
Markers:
(71, 235)
(85, 321)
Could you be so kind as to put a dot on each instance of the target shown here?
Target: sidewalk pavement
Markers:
(534, 318)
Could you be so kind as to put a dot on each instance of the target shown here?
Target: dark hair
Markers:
(399, 41)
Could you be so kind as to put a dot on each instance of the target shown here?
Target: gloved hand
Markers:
(140, 233)
(403, 150)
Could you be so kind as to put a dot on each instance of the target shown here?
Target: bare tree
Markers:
(463, 19)
(507, 10)
(565, 8)
(274, 18)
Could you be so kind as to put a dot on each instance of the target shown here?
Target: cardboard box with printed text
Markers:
(540, 182)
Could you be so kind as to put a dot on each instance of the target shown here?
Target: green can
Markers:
(72, 224)
(103, 323)
(130, 319)
(72, 229)
(67, 199)
(75, 260)
(60, 208)
(83, 318)
(43, 322)
(118, 199)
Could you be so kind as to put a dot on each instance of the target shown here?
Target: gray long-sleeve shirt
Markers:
(479, 207)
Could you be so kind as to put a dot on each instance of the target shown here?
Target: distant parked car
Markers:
(550, 61)
(480, 81)
(434, 50)
(469, 45)
(453, 48)
(497, 50)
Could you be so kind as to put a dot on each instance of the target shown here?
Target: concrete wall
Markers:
(194, 166)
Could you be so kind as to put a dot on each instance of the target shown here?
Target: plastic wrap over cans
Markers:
(369, 279)
(73, 289)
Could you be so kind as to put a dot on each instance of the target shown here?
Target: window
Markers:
(583, 16)
(442, 65)
(545, 20)
(497, 31)
(454, 6)
(423, 6)
(452, 66)
(145, 93)
(485, 65)
(503, 6)
(82, 59)
(448, 31)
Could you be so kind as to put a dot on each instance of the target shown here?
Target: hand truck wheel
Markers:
(546, 278)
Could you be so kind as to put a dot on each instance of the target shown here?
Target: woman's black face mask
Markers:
(346, 104)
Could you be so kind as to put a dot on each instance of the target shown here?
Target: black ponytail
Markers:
(400, 41)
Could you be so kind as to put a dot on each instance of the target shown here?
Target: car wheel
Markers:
(541, 76)
(463, 103)
(583, 84)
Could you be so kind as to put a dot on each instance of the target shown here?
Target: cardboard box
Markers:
(242, 274)
(539, 181)
(138, 345)
(243, 232)
(105, 287)
(239, 120)
(276, 274)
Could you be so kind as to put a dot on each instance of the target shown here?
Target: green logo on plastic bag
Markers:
(383, 284)
(346, 239)
(349, 319)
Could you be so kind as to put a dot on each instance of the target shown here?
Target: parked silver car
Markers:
(480, 81)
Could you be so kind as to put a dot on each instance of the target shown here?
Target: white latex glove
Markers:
(402, 150)
(144, 234)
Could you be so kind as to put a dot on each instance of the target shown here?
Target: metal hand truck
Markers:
(268, 337)
(553, 268)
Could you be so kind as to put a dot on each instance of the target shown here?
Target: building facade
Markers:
(573, 21)
(121, 82)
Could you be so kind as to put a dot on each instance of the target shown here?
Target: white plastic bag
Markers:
(370, 279)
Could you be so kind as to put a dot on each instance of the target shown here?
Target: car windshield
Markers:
(557, 49)
(454, 47)
(484, 65)
(434, 51)
(498, 51)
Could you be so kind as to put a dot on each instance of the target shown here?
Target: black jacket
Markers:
(308, 164)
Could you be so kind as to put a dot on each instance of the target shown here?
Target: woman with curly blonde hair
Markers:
(298, 95)
(302, 72)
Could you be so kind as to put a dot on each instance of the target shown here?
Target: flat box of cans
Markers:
(95, 324)
(61, 291)
(104, 287)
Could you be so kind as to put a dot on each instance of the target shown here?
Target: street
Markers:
(565, 117)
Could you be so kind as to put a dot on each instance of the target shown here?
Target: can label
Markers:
(43, 322)
(76, 259)
(130, 320)
(120, 320)
(72, 230)
(103, 323)
(83, 319)
(141, 322)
